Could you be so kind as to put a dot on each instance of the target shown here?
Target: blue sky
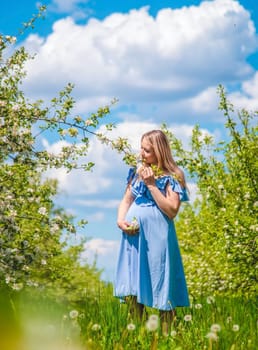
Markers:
(163, 60)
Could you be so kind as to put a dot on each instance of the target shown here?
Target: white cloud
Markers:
(140, 59)
(34, 43)
(56, 147)
(105, 252)
(204, 102)
(95, 203)
(71, 7)
(248, 97)
(99, 216)
(101, 246)
(67, 5)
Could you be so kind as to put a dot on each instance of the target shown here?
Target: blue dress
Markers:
(149, 263)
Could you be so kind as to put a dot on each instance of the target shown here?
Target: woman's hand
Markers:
(127, 227)
(147, 176)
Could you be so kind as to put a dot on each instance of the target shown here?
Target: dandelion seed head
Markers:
(212, 336)
(131, 327)
(198, 306)
(82, 316)
(73, 314)
(152, 325)
(96, 327)
(188, 318)
(235, 328)
(210, 300)
(154, 317)
(215, 328)
(173, 333)
(229, 319)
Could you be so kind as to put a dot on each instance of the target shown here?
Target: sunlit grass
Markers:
(210, 323)
(104, 323)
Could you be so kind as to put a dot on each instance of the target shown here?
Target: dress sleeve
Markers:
(131, 175)
(176, 187)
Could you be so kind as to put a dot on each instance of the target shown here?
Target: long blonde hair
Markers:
(162, 151)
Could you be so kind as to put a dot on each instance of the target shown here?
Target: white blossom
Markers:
(11, 39)
(42, 210)
(15, 107)
(8, 279)
(63, 132)
(54, 228)
(17, 286)
(13, 213)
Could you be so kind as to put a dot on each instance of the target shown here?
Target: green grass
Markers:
(103, 323)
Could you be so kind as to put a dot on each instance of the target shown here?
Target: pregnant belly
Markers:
(145, 214)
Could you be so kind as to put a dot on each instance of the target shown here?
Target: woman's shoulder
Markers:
(166, 176)
(164, 179)
(172, 180)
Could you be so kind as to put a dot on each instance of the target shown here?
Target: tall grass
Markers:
(103, 323)
(210, 323)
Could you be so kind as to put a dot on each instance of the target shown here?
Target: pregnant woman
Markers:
(150, 270)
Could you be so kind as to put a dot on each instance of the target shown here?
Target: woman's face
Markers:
(147, 153)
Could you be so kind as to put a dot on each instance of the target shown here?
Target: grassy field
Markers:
(210, 323)
(103, 323)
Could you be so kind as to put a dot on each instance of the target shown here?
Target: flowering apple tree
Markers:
(33, 231)
(218, 233)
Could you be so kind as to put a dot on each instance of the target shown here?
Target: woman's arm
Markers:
(168, 204)
(123, 209)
